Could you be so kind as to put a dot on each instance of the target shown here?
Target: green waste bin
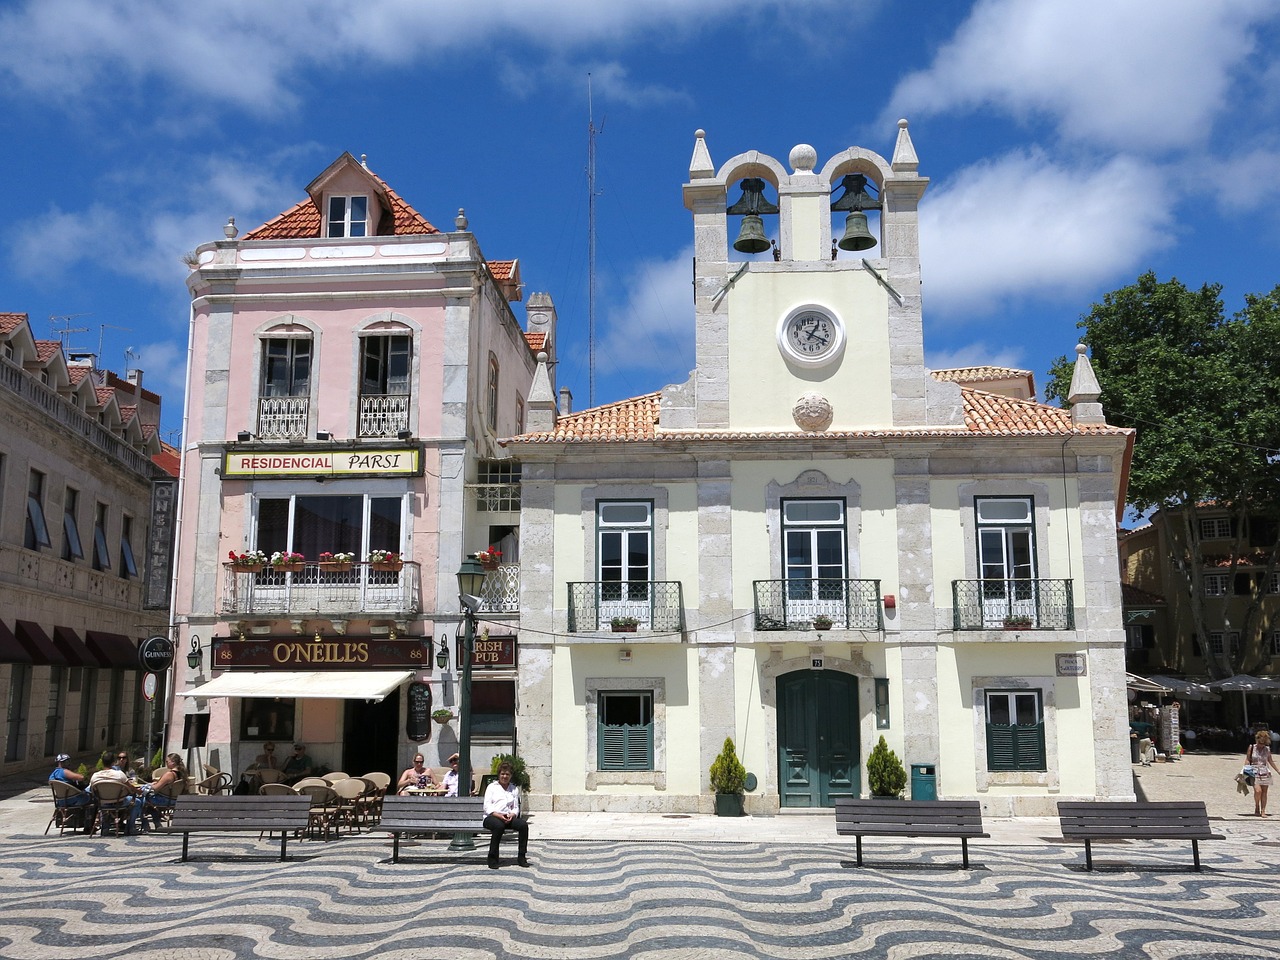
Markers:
(924, 781)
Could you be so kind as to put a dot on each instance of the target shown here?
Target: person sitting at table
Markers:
(450, 782)
(70, 777)
(153, 799)
(416, 777)
(266, 760)
(297, 766)
(113, 771)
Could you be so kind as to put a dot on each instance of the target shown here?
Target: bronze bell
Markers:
(752, 203)
(856, 235)
(751, 238)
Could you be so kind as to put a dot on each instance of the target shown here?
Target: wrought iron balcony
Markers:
(383, 415)
(501, 590)
(793, 604)
(653, 604)
(1013, 605)
(323, 590)
(283, 418)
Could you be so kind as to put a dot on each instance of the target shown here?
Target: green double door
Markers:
(818, 756)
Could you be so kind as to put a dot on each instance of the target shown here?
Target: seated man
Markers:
(113, 771)
(450, 782)
(297, 766)
(82, 799)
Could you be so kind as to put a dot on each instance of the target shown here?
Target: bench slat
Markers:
(1120, 820)
(401, 815)
(194, 813)
(960, 819)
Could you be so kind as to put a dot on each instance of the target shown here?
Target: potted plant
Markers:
(251, 561)
(519, 775)
(442, 716)
(385, 560)
(624, 624)
(286, 561)
(489, 559)
(728, 779)
(886, 777)
(822, 622)
(1017, 623)
(337, 562)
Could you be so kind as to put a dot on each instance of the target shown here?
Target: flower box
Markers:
(822, 623)
(247, 567)
(623, 627)
(287, 567)
(489, 559)
(387, 566)
(336, 566)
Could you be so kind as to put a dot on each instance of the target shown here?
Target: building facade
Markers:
(815, 541)
(77, 480)
(352, 369)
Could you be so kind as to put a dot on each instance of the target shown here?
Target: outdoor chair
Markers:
(277, 790)
(349, 793)
(69, 811)
(324, 807)
(113, 806)
(312, 782)
(337, 775)
(215, 784)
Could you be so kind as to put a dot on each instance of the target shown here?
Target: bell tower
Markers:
(793, 318)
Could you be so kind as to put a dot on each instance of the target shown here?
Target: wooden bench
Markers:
(1107, 820)
(408, 815)
(196, 813)
(910, 818)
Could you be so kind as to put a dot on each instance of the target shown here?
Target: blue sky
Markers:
(1071, 145)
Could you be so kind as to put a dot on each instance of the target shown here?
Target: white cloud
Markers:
(647, 339)
(976, 354)
(1023, 225)
(1126, 73)
(1248, 182)
(248, 52)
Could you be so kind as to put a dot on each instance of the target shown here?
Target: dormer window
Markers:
(348, 216)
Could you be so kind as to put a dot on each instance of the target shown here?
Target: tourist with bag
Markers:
(1258, 756)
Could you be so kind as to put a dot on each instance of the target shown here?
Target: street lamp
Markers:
(193, 658)
(470, 583)
(442, 656)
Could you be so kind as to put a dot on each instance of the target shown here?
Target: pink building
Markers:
(351, 368)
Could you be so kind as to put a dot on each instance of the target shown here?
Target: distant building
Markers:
(78, 469)
(353, 369)
(815, 541)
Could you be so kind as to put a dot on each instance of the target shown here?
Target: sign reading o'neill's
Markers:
(322, 653)
(324, 462)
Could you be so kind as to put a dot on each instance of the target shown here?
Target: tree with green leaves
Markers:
(1203, 393)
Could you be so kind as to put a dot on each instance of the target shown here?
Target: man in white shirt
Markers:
(502, 813)
(450, 781)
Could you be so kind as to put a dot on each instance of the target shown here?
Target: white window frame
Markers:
(346, 225)
(1217, 584)
(1215, 528)
(1216, 638)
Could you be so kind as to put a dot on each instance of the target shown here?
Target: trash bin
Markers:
(924, 781)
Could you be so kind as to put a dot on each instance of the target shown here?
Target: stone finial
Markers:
(1085, 390)
(364, 160)
(700, 166)
(542, 400)
(460, 221)
(904, 151)
(803, 158)
(230, 231)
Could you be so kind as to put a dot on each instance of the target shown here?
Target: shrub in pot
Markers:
(885, 774)
(728, 779)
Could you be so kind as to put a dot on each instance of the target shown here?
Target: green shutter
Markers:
(625, 747)
(1001, 752)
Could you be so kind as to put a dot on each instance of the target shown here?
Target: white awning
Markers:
(315, 684)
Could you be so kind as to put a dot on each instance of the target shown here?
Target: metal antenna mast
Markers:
(591, 249)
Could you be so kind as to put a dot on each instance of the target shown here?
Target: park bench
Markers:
(1107, 820)
(910, 818)
(196, 813)
(410, 815)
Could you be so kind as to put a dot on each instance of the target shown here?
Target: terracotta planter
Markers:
(489, 564)
(248, 567)
(443, 720)
(387, 567)
(624, 627)
(287, 568)
(335, 566)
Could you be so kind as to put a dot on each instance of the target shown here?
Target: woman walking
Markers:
(1259, 757)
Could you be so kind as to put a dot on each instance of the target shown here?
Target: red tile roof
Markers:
(501, 269)
(984, 414)
(302, 221)
(46, 350)
(11, 321)
(118, 382)
(167, 459)
(977, 374)
(536, 341)
(76, 373)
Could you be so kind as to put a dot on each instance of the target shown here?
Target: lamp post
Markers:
(470, 582)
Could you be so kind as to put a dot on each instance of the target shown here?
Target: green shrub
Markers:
(518, 774)
(728, 775)
(885, 774)
(82, 770)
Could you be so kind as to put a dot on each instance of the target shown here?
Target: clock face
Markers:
(811, 336)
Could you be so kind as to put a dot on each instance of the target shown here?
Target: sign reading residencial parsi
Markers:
(325, 462)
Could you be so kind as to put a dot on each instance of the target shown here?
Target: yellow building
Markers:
(816, 540)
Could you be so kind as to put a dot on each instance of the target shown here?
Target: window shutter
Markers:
(1029, 742)
(1001, 752)
(625, 747)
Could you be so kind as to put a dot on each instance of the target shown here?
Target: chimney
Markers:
(134, 377)
(566, 402)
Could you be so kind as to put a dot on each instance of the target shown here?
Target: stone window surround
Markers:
(657, 777)
(811, 484)
(386, 324)
(1049, 778)
(970, 493)
(656, 494)
(288, 326)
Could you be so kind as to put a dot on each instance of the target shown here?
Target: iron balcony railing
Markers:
(283, 418)
(323, 590)
(794, 604)
(384, 415)
(654, 604)
(501, 590)
(1013, 605)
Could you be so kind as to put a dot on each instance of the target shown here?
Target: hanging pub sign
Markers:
(491, 653)
(417, 724)
(155, 654)
(321, 653)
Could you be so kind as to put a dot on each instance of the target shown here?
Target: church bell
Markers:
(752, 238)
(856, 199)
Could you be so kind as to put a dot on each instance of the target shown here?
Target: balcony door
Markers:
(384, 385)
(1006, 558)
(814, 559)
(286, 388)
(624, 552)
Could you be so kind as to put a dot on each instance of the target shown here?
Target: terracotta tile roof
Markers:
(46, 350)
(115, 380)
(302, 221)
(10, 322)
(977, 374)
(104, 395)
(536, 341)
(501, 269)
(1131, 596)
(128, 412)
(167, 459)
(76, 373)
(984, 414)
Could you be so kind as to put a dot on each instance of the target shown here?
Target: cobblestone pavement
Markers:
(651, 888)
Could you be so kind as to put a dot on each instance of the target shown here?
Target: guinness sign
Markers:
(155, 654)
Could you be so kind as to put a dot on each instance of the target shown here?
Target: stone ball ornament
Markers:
(803, 158)
(813, 412)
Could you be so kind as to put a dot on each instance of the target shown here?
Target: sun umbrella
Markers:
(1246, 684)
(1186, 689)
(1143, 685)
